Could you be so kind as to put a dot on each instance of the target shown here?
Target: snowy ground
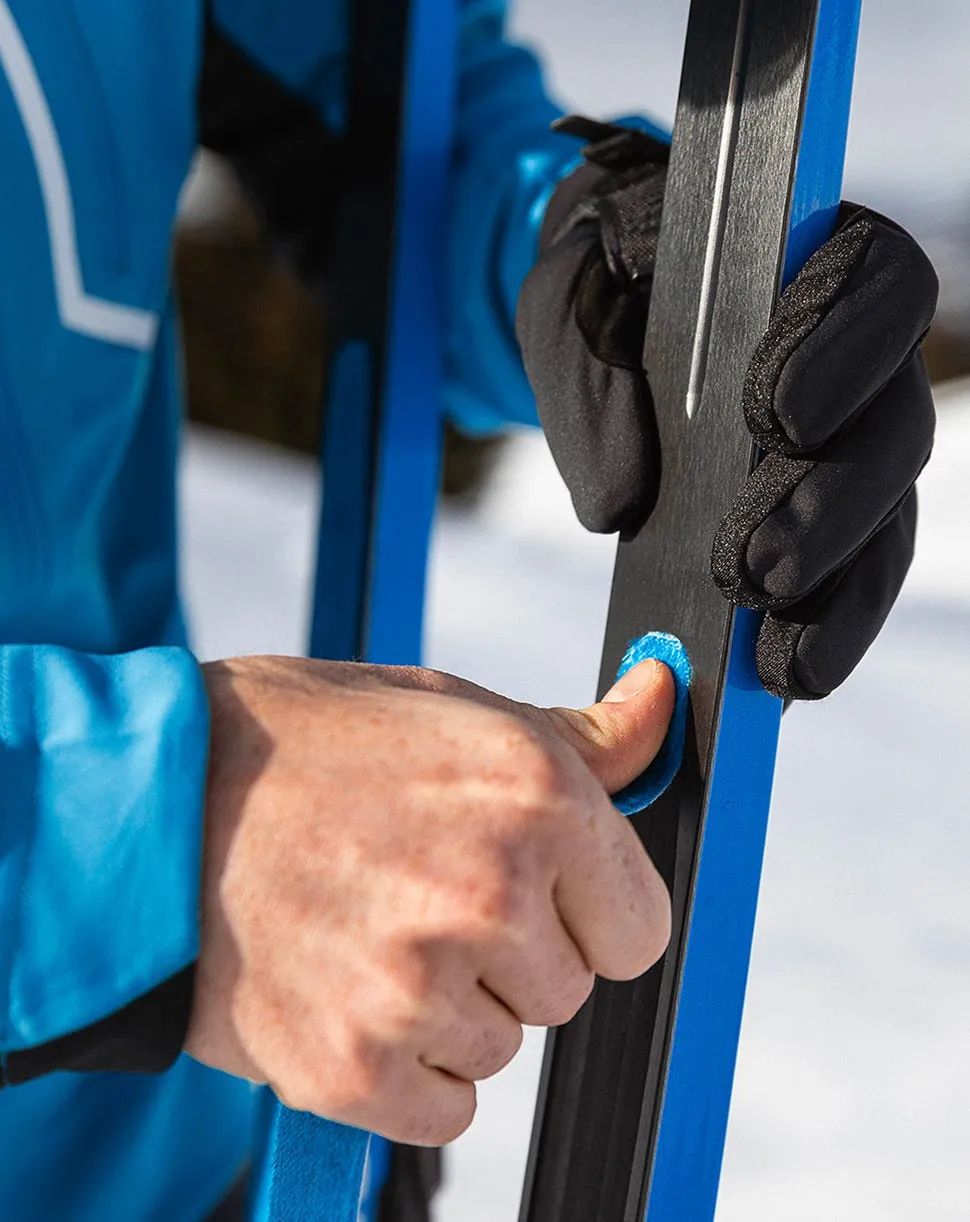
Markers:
(853, 1091)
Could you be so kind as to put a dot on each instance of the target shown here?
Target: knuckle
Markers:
(409, 1010)
(435, 1119)
(653, 941)
(492, 902)
(496, 1047)
(534, 791)
(323, 1088)
(495, 899)
(446, 1127)
(539, 775)
(563, 1005)
(505, 1048)
(361, 1078)
(410, 977)
(605, 729)
(528, 781)
(659, 938)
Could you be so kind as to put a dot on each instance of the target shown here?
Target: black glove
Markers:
(821, 535)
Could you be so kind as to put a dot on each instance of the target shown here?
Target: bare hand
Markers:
(401, 869)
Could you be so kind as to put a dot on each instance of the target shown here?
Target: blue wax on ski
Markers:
(648, 787)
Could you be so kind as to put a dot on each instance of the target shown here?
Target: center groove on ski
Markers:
(715, 237)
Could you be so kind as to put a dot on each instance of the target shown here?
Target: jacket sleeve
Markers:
(507, 163)
(102, 777)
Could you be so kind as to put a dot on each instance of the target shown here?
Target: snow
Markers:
(852, 1099)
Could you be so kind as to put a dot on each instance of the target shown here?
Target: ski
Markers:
(634, 1096)
(380, 458)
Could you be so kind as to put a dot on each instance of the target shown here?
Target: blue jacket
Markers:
(103, 716)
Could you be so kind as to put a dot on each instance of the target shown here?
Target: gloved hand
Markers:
(837, 395)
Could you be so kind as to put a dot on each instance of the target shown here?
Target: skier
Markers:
(394, 869)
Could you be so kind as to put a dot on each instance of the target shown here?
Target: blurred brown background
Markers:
(255, 340)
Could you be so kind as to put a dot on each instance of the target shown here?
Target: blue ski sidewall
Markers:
(693, 1125)
(411, 420)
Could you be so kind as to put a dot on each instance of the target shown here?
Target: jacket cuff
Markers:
(145, 1036)
(102, 794)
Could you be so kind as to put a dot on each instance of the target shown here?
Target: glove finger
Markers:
(581, 337)
(806, 651)
(799, 520)
(846, 324)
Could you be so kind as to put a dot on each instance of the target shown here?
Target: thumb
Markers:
(620, 736)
